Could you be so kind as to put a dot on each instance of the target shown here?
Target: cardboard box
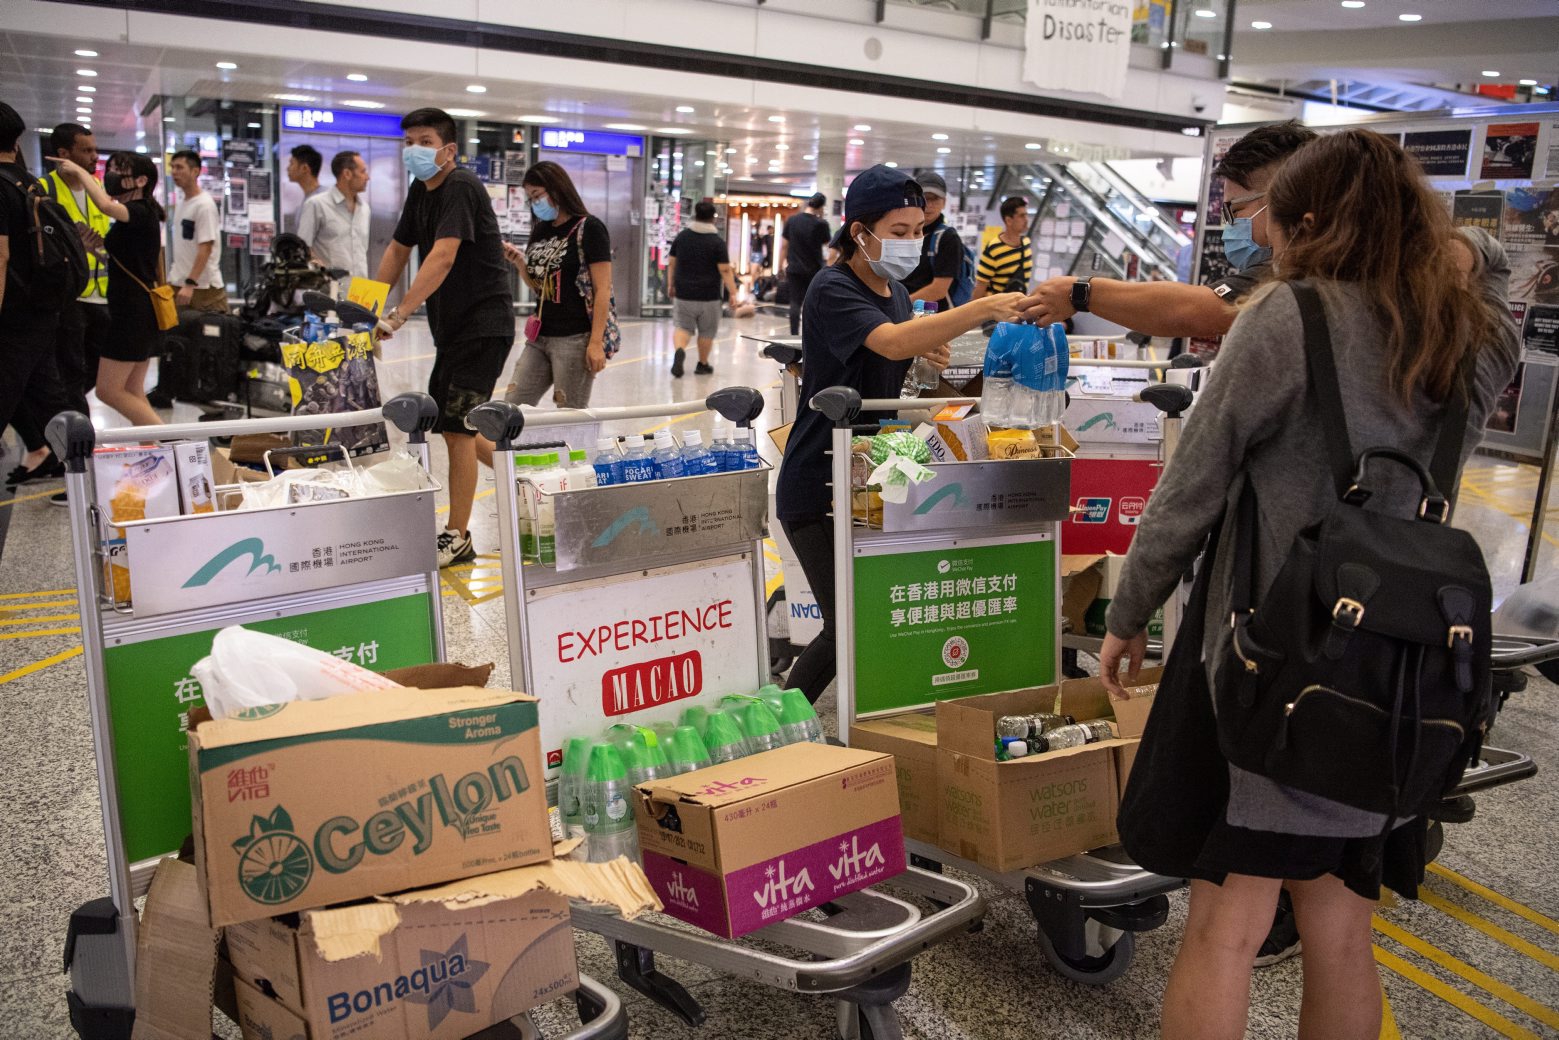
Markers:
(439, 963)
(176, 958)
(965, 437)
(1009, 815)
(1081, 578)
(316, 802)
(738, 846)
(911, 740)
(192, 462)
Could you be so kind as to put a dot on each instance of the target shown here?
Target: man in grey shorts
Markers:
(699, 266)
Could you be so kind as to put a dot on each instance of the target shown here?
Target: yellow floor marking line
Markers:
(1388, 1019)
(1503, 901)
(42, 592)
(38, 666)
(1493, 931)
(37, 606)
(46, 617)
(28, 498)
(444, 510)
(40, 632)
(670, 422)
(1510, 995)
(1463, 1003)
(627, 361)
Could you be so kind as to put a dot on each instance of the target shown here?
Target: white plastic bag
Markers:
(399, 472)
(896, 475)
(251, 670)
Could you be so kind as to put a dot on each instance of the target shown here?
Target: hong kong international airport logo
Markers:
(250, 550)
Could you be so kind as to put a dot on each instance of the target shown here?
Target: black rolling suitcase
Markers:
(200, 358)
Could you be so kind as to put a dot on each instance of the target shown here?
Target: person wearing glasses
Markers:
(1173, 308)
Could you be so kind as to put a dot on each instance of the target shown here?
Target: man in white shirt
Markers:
(197, 226)
(334, 223)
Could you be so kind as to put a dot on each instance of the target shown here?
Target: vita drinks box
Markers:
(316, 802)
(735, 847)
(440, 963)
(1014, 814)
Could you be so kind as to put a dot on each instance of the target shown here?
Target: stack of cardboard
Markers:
(1014, 814)
(319, 827)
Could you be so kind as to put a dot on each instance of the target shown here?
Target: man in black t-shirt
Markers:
(464, 279)
(801, 253)
(942, 251)
(700, 266)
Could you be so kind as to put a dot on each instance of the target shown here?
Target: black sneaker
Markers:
(676, 363)
(59, 499)
(1283, 940)
(701, 369)
(48, 469)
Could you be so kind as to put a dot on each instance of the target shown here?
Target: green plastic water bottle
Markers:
(762, 727)
(571, 786)
(798, 719)
(610, 830)
(724, 738)
(687, 751)
(654, 755)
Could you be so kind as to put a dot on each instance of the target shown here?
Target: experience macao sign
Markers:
(641, 649)
(151, 693)
(1083, 46)
(953, 622)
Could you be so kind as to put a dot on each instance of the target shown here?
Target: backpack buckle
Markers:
(1434, 510)
(1458, 632)
(1352, 608)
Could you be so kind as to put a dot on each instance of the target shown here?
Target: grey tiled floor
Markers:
(992, 984)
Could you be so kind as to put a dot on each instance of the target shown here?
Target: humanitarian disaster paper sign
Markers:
(1078, 45)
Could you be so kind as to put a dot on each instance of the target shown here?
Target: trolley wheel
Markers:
(878, 1022)
(1092, 970)
(1434, 841)
(1549, 670)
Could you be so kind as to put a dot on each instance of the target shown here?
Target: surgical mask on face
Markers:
(900, 257)
(420, 161)
(1240, 246)
(544, 209)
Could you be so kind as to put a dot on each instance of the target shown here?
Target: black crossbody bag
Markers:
(1363, 674)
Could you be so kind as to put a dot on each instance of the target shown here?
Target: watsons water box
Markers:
(735, 847)
(315, 802)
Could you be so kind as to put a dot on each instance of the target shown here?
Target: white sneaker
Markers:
(454, 547)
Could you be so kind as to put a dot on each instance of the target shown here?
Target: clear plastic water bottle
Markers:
(644, 758)
(697, 459)
(996, 393)
(571, 787)
(799, 723)
(922, 374)
(745, 453)
(724, 739)
(608, 464)
(580, 473)
(609, 827)
(638, 466)
(524, 467)
(687, 751)
(551, 480)
(696, 717)
(668, 459)
(762, 727)
(771, 694)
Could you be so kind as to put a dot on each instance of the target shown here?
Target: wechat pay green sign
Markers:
(151, 693)
(954, 622)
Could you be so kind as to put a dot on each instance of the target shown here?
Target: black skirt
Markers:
(1173, 818)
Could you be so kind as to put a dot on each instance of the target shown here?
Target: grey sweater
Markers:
(1256, 422)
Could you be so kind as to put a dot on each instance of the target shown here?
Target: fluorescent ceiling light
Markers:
(1491, 73)
(141, 148)
(1410, 17)
(674, 131)
(1524, 83)
(254, 126)
(1034, 146)
(86, 99)
(86, 54)
(730, 151)
(686, 109)
(891, 165)
(464, 113)
(1206, 12)
(84, 111)
(170, 119)
(938, 137)
(473, 140)
(357, 77)
(782, 147)
(808, 158)
(227, 65)
(300, 97)
(776, 119)
(625, 126)
(711, 151)
(86, 89)
(1261, 25)
(1353, 4)
(856, 141)
(357, 103)
(89, 73)
(698, 162)
(864, 128)
(476, 88)
(944, 151)
(540, 119)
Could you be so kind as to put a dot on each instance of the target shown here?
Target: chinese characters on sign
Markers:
(952, 599)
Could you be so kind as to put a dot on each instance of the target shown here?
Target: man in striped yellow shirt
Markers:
(1007, 264)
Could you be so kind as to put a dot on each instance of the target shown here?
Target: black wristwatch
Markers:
(196, 285)
(1082, 293)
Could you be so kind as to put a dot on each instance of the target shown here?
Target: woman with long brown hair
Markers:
(1408, 299)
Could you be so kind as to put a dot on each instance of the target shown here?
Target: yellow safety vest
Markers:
(96, 219)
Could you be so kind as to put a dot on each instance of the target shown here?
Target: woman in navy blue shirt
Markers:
(856, 332)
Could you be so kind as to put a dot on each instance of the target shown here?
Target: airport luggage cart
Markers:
(1087, 906)
(860, 953)
(190, 575)
(602, 1016)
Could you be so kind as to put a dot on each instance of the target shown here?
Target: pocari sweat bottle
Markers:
(1058, 377)
(696, 458)
(638, 466)
(722, 446)
(668, 460)
(608, 464)
(745, 453)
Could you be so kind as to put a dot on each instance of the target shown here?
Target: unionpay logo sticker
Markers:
(1092, 511)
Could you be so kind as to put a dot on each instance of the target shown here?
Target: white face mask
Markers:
(900, 257)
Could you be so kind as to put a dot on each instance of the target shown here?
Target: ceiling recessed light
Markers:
(300, 97)
(254, 126)
(473, 140)
(86, 99)
(1410, 17)
(464, 113)
(170, 119)
(357, 77)
(730, 151)
(864, 128)
(776, 119)
(227, 65)
(808, 158)
(938, 137)
(944, 151)
(625, 126)
(1261, 25)
(357, 103)
(674, 131)
(1524, 83)
(476, 88)
(1491, 73)
(89, 73)
(86, 89)
(686, 109)
(698, 162)
(751, 159)
(857, 141)
(86, 54)
(1034, 146)
(891, 165)
(141, 148)
(540, 119)
(1353, 4)
(1206, 12)
(84, 111)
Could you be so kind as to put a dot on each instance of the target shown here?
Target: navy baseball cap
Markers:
(880, 189)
